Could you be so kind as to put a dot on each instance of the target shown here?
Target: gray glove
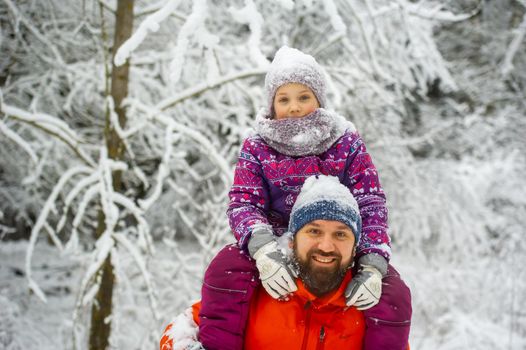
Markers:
(276, 276)
(195, 346)
(365, 288)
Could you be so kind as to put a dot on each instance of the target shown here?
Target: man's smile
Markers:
(323, 259)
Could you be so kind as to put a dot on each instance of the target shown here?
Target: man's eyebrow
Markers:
(344, 227)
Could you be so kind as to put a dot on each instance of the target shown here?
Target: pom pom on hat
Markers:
(293, 66)
(325, 198)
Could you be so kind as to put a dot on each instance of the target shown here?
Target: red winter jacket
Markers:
(304, 322)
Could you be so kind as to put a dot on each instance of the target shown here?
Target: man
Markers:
(324, 228)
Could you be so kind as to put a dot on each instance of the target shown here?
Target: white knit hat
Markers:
(293, 66)
(323, 197)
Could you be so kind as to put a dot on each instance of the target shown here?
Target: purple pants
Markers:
(232, 277)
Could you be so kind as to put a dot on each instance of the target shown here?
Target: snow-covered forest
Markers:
(120, 124)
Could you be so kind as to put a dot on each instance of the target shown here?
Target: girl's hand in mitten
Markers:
(275, 274)
(365, 288)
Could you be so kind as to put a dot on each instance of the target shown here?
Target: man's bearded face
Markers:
(323, 251)
(320, 280)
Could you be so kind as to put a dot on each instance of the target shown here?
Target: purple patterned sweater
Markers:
(266, 184)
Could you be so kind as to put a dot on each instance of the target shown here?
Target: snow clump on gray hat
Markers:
(293, 66)
(325, 198)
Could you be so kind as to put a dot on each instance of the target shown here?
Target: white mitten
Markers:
(275, 274)
(365, 288)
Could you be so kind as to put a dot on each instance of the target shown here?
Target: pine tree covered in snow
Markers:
(436, 88)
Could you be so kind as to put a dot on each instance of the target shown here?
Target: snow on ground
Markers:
(26, 322)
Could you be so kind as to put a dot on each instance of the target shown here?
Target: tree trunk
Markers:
(102, 307)
(100, 311)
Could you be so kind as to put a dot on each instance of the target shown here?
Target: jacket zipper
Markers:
(321, 340)
(225, 289)
(307, 325)
(390, 323)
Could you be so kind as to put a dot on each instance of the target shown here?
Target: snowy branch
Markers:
(35, 31)
(164, 167)
(41, 222)
(193, 25)
(145, 240)
(207, 147)
(53, 236)
(115, 125)
(147, 10)
(150, 24)
(51, 125)
(367, 42)
(336, 20)
(199, 89)
(130, 247)
(107, 6)
(520, 32)
(19, 141)
(249, 15)
(437, 13)
(81, 185)
(88, 196)
(104, 245)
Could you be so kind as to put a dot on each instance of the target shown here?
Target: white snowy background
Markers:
(436, 88)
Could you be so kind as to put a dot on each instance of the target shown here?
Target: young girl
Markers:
(296, 137)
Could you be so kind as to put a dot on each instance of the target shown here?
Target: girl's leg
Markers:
(228, 285)
(388, 322)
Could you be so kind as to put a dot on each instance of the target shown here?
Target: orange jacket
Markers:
(304, 322)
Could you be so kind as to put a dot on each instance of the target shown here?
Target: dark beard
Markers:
(319, 280)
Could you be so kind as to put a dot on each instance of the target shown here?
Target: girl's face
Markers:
(294, 100)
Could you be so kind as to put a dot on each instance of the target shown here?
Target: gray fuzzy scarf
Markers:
(311, 135)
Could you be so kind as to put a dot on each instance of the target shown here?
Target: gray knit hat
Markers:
(325, 198)
(293, 66)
